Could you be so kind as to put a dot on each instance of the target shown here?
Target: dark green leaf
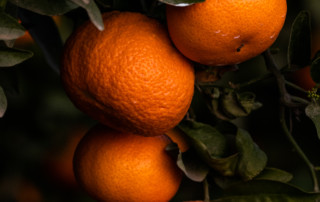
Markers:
(181, 2)
(230, 104)
(192, 166)
(93, 12)
(274, 174)
(46, 7)
(252, 160)
(3, 102)
(206, 139)
(248, 102)
(216, 110)
(210, 145)
(315, 70)
(10, 28)
(10, 57)
(227, 104)
(224, 166)
(261, 190)
(299, 50)
(313, 112)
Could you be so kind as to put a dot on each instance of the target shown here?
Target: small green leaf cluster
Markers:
(227, 104)
(227, 156)
(246, 160)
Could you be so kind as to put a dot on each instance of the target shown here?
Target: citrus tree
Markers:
(217, 98)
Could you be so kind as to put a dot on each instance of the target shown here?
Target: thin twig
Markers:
(287, 100)
(285, 97)
(298, 149)
(296, 87)
(250, 82)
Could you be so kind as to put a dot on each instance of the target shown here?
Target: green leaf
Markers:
(3, 102)
(227, 104)
(313, 112)
(252, 160)
(192, 166)
(181, 3)
(10, 56)
(46, 7)
(315, 70)
(274, 174)
(225, 166)
(299, 50)
(238, 105)
(10, 28)
(93, 12)
(207, 140)
(211, 146)
(263, 190)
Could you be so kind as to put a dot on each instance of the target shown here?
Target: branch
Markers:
(300, 152)
(285, 97)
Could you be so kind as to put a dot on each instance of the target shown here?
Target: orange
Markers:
(118, 166)
(225, 32)
(302, 78)
(178, 137)
(129, 76)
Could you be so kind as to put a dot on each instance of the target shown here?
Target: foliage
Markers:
(223, 151)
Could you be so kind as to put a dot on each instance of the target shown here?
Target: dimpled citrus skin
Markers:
(116, 166)
(225, 32)
(129, 76)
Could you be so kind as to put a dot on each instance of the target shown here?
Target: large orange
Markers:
(129, 76)
(117, 166)
(226, 32)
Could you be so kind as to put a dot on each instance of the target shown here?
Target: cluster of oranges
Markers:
(137, 78)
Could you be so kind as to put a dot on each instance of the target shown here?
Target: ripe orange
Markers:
(225, 32)
(128, 76)
(118, 166)
(302, 78)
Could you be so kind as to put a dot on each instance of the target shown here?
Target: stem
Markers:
(287, 100)
(206, 190)
(285, 97)
(296, 87)
(253, 81)
(300, 152)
